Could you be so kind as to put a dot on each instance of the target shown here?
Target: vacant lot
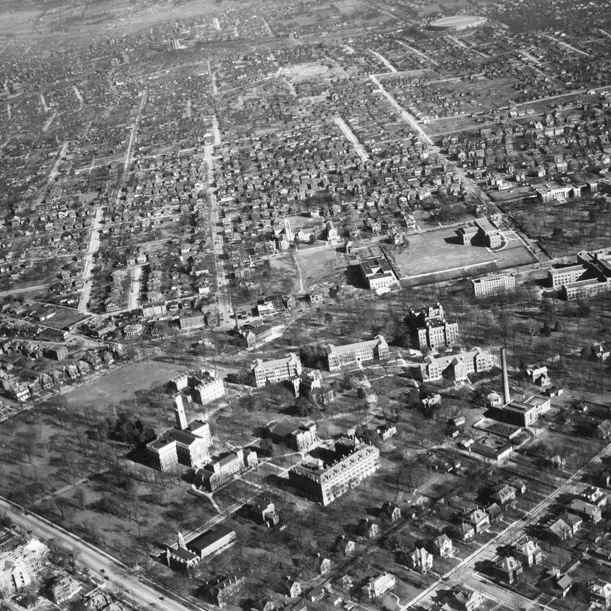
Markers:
(320, 264)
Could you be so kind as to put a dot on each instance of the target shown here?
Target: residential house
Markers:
(588, 510)
(600, 593)
(264, 512)
(467, 599)
(64, 588)
(480, 520)
(594, 495)
(420, 560)
(503, 494)
(563, 583)
(295, 589)
(368, 529)
(465, 531)
(442, 546)
(390, 511)
(380, 585)
(528, 552)
(565, 526)
(509, 568)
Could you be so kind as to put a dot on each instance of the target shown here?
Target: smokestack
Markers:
(506, 395)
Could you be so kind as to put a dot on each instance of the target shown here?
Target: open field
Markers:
(320, 265)
(122, 384)
(439, 251)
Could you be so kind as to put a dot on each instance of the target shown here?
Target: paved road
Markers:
(96, 560)
(511, 533)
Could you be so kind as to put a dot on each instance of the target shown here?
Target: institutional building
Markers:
(323, 483)
(494, 284)
(186, 444)
(189, 554)
(526, 412)
(432, 329)
(457, 366)
(483, 232)
(19, 562)
(378, 274)
(300, 438)
(354, 354)
(201, 386)
(590, 276)
(278, 370)
(222, 469)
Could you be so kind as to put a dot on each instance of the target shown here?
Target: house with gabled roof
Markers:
(442, 546)
(420, 560)
(600, 593)
(528, 552)
(467, 599)
(509, 568)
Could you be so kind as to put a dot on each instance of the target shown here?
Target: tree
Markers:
(80, 496)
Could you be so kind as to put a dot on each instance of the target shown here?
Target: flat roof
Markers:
(210, 537)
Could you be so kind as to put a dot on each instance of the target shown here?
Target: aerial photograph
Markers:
(305, 305)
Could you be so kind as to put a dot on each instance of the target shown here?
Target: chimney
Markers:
(506, 395)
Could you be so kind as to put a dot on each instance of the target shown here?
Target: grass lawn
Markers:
(123, 383)
(439, 251)
(320, 265)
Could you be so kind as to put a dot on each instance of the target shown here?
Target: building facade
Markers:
(325, 483)
(378, 274)
(590, 276)
(493, 285)
(458, 366)
(277, 370)
(354, 354)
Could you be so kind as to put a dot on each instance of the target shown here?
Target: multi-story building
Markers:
(299, 438)
(324, 483)
(552, 191)
(64, 588)
(589, 277)
(432, 329)
(354, 354)
(493, 284)
(186, 444)
(224, 589)
(457, 366)
(378, 274)
(206, 388)
(222, 469)
(176, 447)
(567, 274)
(19, 562)
(482, 232)
(277, 370)
(380, 585)
(201, 386)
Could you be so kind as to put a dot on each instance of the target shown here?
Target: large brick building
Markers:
(325, 482)
(432, 330)
(590, 276)
(277, 370)
(354, 354)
